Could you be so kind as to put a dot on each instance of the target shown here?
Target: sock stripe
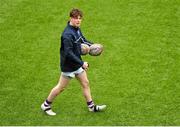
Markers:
(90, 102)
(46, 105)
(90, 106)
(48, 102)
(47, 109)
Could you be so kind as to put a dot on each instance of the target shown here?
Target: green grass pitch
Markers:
(137, 76)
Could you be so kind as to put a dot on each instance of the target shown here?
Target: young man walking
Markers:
(71, 64)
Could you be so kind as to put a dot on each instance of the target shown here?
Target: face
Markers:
(76, 22)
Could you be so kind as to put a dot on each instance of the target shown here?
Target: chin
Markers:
(78, 25)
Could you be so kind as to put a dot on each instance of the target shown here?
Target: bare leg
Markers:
(87, 93)
(85, 85)
(63, 82)
(46, 106)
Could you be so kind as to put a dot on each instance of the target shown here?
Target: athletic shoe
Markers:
(97, 108)
(48, 110)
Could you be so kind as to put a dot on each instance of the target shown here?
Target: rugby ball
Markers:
(95, 49)
(84, 49)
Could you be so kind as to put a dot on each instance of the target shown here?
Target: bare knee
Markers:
(58, 89)
(62, 89)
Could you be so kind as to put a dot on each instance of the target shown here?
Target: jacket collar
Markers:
(72, 27)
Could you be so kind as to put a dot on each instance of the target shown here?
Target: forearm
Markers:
(87, 42)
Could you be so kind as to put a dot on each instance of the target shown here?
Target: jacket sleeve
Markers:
(68, 49)
(84, 40)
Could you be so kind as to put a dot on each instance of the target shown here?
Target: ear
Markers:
(70, 19)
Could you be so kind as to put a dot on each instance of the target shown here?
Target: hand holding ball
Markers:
(85, 49)
(95, 49)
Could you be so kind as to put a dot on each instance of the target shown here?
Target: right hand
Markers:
(85, 66)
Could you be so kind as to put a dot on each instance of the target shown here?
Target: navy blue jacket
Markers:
(70, 51)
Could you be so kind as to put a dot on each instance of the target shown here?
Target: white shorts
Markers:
(74, 73)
